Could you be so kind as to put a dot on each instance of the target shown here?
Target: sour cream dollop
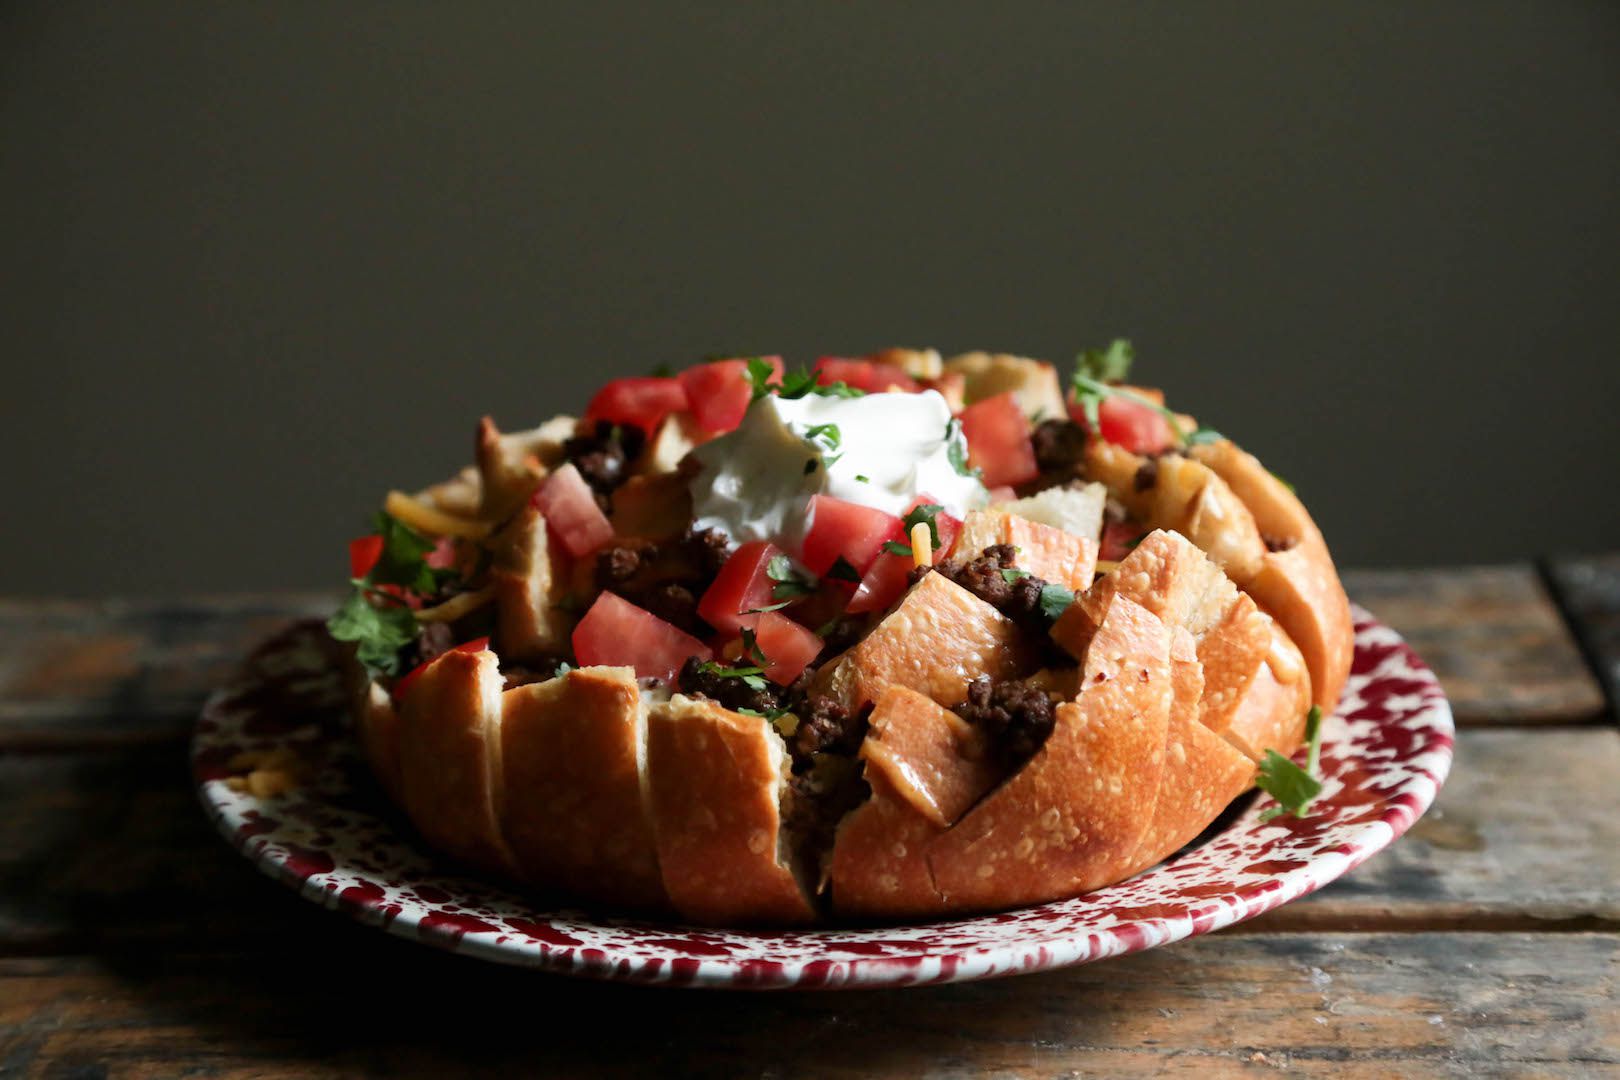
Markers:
(880, 450)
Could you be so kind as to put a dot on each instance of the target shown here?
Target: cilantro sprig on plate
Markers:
(1293, 787)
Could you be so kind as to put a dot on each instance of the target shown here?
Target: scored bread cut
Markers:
(935, 640)
(529, 578)
(450, 757)
(575, 815)
(1071, 819)
(717, 782)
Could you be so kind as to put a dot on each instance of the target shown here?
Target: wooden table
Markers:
(134, 942)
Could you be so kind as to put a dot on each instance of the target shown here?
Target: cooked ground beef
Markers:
(707, 549)
(1015, 716)
(603, 458)
(728, 690)
(826, 727)
(539, 670)
(434, 641)
(820, 797)
(667, 579)
(616, 564)
(1019, 598)
(1060, 446)
(671, 601)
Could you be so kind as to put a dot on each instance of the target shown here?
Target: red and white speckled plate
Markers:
(1384, 756)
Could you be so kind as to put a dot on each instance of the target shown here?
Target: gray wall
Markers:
(261, 262)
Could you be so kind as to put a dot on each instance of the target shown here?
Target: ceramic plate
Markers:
(335, 839)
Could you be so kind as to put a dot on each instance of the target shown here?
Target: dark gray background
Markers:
(261, 262)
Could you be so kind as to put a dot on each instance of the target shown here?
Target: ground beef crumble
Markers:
(1060, 451)
(1019, 598)
(666, 579)
(603, 457)
(1015, 716)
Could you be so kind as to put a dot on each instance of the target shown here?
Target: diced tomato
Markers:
(718, 393)
(865, 375)
(741, 586)
(882, 584)
(1119, 540)
(443, 554)
(642, 402)
(475, 645)
(998, 441)
(850, 530)
(364, 551)
(788, 647)
(571, 512)
(1129, 424)
(617, 633)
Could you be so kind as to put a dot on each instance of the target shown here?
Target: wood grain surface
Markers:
(134, 942)
(1492, 635)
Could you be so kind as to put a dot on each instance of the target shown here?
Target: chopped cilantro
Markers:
(1012, 575)
(790, 584)
(859, 478)
(829, 435)
(956, 451)
(751, 648)
(760, 373)
(1055, 600)
(925, 513)
(380, 630)
(767, 608)
(1292, 786)
(798, 383)
(1109, 365)
(1204, 435)
(895, 547)
(751, 675)
(841, 570)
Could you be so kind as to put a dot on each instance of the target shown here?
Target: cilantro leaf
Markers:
(751, 647)
(790, 584)
(895, 547)
(749, 675)
(1055, 600)
(862, 479)
(1292, 786)
(956, 451)
(760, 374)
(1012, 575)
(841, 570)
(403, 560)
(1108, 365)
(827, 434)
(378, 632)
(799, 382)
(1204, 435)
(926, 512)
(767, 608)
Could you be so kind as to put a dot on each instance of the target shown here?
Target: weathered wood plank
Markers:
(1588, 590)
(81, 673)
(109, 848)
(1314, 1005)
(1492, 635)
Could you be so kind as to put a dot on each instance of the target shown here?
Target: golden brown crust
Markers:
(1048, 553)
(1298, 585)
(879, 866)
(575, 817)
(935, 640)
(1071, 819)
(715, 779)
(450, 757)
(1274, 707)
(930, 757)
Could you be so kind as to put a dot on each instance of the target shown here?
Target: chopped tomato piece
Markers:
(718, 393)
(998, 441)
(1129, 424)
(1119, 539)
(848, 530)
(364, 551)
(617, 633)
(475, 645)
(741, 586)
(866, 375)
(641, 402)
(787, 647)
(882, 585)
(570, 510)
(443, 554)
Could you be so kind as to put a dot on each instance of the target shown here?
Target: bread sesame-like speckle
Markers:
(985, 870)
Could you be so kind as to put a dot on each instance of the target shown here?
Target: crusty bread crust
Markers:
(937, 639)
(716, 780)
(574, 815)
(450, 758)
(528, 576)
(1297, 585)
(1072, 818)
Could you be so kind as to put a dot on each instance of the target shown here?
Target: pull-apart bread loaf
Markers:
(897, 637)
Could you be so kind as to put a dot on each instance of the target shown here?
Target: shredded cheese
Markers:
(424, 518)
(922, 544)
(457, 606)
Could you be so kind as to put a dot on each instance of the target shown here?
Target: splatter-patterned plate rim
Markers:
(333, 837)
